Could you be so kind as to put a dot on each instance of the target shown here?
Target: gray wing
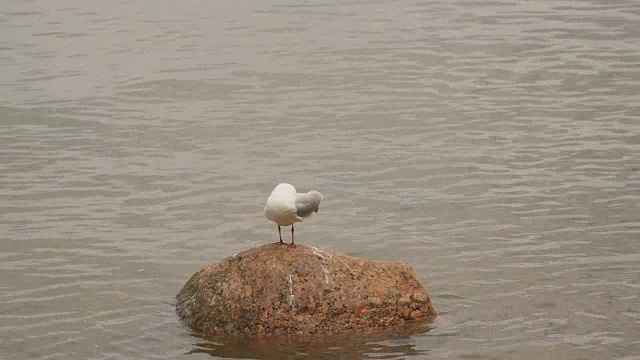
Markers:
(308, 204)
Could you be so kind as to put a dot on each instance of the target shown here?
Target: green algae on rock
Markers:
(276, 290)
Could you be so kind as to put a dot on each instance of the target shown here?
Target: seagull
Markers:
(285, 207)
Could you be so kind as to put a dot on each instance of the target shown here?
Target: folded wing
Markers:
(308, 204)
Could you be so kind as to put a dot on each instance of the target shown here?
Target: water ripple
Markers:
(491, 145)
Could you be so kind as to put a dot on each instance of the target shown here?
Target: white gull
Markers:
(285, 207)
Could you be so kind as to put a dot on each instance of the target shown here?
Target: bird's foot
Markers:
(292, 245)
(279, 242)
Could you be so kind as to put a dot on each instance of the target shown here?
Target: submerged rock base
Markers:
(277, 290)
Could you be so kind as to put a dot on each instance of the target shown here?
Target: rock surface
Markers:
(274, 289)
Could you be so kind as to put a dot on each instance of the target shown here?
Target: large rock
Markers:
(274, 289)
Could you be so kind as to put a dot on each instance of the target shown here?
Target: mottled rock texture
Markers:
(277, 290)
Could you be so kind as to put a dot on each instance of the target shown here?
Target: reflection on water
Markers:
(393, 343)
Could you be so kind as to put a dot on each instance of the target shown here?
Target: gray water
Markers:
(493, 146)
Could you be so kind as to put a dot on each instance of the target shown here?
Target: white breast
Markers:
(281, 205)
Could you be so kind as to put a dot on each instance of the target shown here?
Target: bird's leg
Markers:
(280, 233)
(292, 245)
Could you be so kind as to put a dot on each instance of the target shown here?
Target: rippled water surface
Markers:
(492, 145)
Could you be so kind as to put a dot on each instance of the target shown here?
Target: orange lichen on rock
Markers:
(274, 289)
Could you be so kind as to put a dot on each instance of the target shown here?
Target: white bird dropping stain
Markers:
(290, 291)
(326, 274)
